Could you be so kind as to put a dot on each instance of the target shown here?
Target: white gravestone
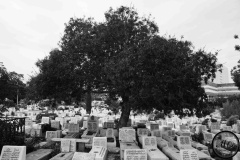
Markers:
(135, 154)
(183, 142)
(45, 120)
(110, 132)
(83, 156)
(65, 145)
(127, 135)
(189, 154)
(100, 141)
(13, 153)
(111, 139)
(153, 153)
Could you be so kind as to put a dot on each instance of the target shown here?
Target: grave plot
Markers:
(111, 139)
(92, 130)
(99, 148)
(142, 132)
(153, 153)
(127, 140)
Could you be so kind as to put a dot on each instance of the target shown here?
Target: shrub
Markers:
(231, 108)
(232, 120)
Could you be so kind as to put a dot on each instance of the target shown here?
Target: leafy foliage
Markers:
(235, 72)
(11, 84)
(232, 120)
(231, 108)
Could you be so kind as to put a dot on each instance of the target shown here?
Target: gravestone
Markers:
(208, 137)
(189, 154)
(55, 124)
(142, 132)
(215, 127)
(110, 132)
(73, 128)
(183, 142)
(170, 133)
(149, 142)
(227, 128)
(92, 124)
(170, 124)
(99, 141)
(99, 148)
(156, 133)
(45, 120)
(127, 135)
(154, 126)
(184, 128)
(13, 153)
(153, 153)
(65, 145)
(135, 154)
(186, 134)
(108, 125)
(51, 134)
(83, 156)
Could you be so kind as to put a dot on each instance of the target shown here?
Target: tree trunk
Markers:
(126, 108)
(89, 102)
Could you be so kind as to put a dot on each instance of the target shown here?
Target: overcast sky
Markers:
(29, 29)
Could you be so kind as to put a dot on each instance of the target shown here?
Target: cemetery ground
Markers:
(66, 136)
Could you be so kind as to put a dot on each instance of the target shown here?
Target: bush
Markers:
(232, 120)
(231, 108)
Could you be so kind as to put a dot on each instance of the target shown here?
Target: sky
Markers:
(30, 29)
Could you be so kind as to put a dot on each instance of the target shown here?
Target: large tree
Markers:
(148, 71)
(235, 72)
(12, 85)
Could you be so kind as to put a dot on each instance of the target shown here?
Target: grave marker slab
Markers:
(73, 128)
(127, 135)
(183, 142)
(51, 134)
(135, 154)
(156, 133)
(13, 153)
(110, 132)
(99, 142)
(45, 120)
(65, 145)
(83, 156)
(189, 154)
(55, 124)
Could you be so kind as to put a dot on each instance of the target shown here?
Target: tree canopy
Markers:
(126, 57)
(11, 84)
(235, 72)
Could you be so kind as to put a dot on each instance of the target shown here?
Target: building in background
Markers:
(222, 77)
(220, 87)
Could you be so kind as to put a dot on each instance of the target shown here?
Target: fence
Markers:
(12, 131)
